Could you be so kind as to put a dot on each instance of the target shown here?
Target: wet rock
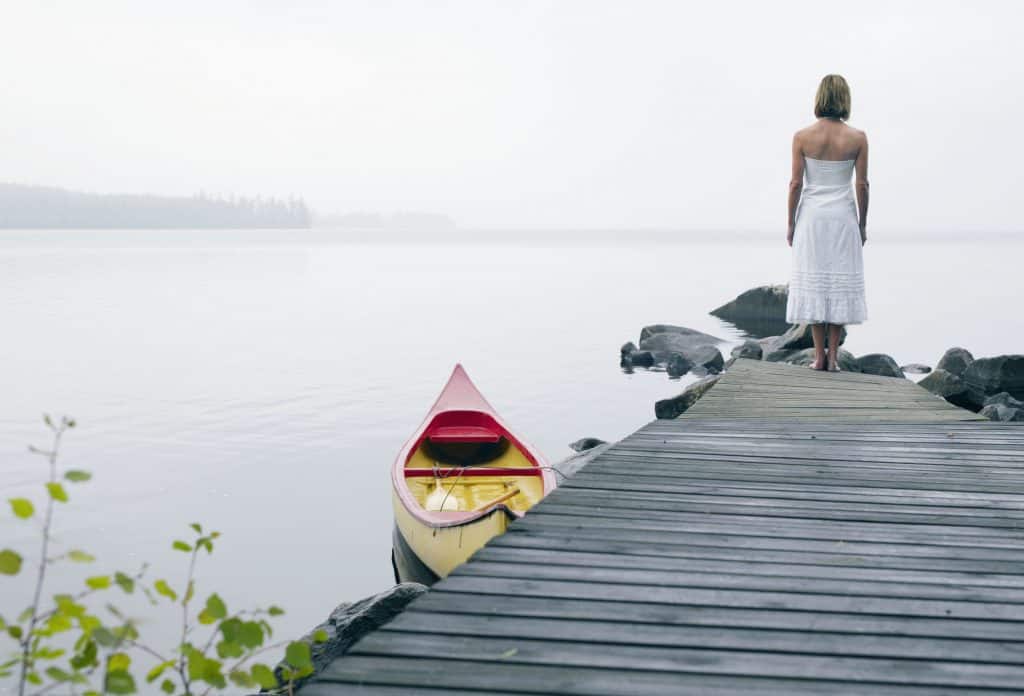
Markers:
(585, 443)
(987, 377)
(783, 355)
(1003, 414)
(641, 358)
(748, 349)
(1004, 399)
(760, 311)
(664, 344)
(879, 364)
(947, 385)
(351, 621)
(708, 357)
(915, 369)
(627, 349)
(847, 361)
(696, 337)
(955, 361)
(574, 462)
(798, 337)
(678, 365)
(677, 405)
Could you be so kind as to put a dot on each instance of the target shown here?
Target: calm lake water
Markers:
(262, 382)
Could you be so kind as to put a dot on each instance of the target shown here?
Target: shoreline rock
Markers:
(955, 361)
(352, 620)
(947, 386)
(677, 405)
(987, 377)
(915, 369)
(586, 443)
(760, 311)
(879, 364)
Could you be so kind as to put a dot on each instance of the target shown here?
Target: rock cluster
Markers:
(992, 386)
(677, 349)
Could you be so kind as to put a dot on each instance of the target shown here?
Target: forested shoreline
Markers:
(42, 207)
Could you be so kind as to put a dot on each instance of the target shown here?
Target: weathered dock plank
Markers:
(793, 533)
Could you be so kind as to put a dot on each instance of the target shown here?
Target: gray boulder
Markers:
(627, 349)
(748, 349)
(574, 462)
(1004, 399)
(677, 405)
(987, 377)
(947, 385)
(1003, 414)
(879, 364)
(759, 311)
(915, 369)
(585, 443)
(678, 365)
(641, 358)
(847, 361)
(665, 343)
(708, 357)
(955, 361)
(353, 620)
(696, 337)
(797, 337)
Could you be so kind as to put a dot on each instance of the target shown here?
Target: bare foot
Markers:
(817, 365)
(833, 364)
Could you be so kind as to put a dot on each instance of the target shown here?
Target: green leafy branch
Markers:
(100, 659)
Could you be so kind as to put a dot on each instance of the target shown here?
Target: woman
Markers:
(827, 226)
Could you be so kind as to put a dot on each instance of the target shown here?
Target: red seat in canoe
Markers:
(461, 433)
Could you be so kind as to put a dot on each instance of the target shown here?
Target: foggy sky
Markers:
(516, 114)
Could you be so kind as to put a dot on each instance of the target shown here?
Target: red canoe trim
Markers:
(454, 473)
(461, 405)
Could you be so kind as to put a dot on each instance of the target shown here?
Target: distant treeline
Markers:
(44, 207)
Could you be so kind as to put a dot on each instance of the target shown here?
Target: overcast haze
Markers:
(517, 114)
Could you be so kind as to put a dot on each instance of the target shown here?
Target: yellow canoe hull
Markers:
(442, 549)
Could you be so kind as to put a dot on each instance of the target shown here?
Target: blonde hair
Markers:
(833, 98)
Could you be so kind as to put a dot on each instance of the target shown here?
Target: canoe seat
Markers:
(462, 433)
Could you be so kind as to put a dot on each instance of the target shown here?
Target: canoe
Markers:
(458, 482)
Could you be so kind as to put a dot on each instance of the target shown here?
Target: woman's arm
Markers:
(796, 185)
(862, 189)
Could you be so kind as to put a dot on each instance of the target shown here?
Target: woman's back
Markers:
(831, 140)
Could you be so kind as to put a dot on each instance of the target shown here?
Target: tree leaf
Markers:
(198, 527)
(98, 582)
(250, 634)
(124, 582)
(215, 606)
(298, 655)
(163, 588)
(275, 611)
(57, 674)
(264, 676)
(241, 678)
(22, 507)
(77, 475)
(79, 556)
(227, 649)
(179, 545)
(119, 662)
(155, 673)
(190, 592)
(120, 682)
(320, 636)
(167, 686)
(57, 491)
(10, 562)
(14, 632)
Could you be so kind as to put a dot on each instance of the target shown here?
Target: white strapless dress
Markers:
(827, 282)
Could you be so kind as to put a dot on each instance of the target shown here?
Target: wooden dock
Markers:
(795, 532)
